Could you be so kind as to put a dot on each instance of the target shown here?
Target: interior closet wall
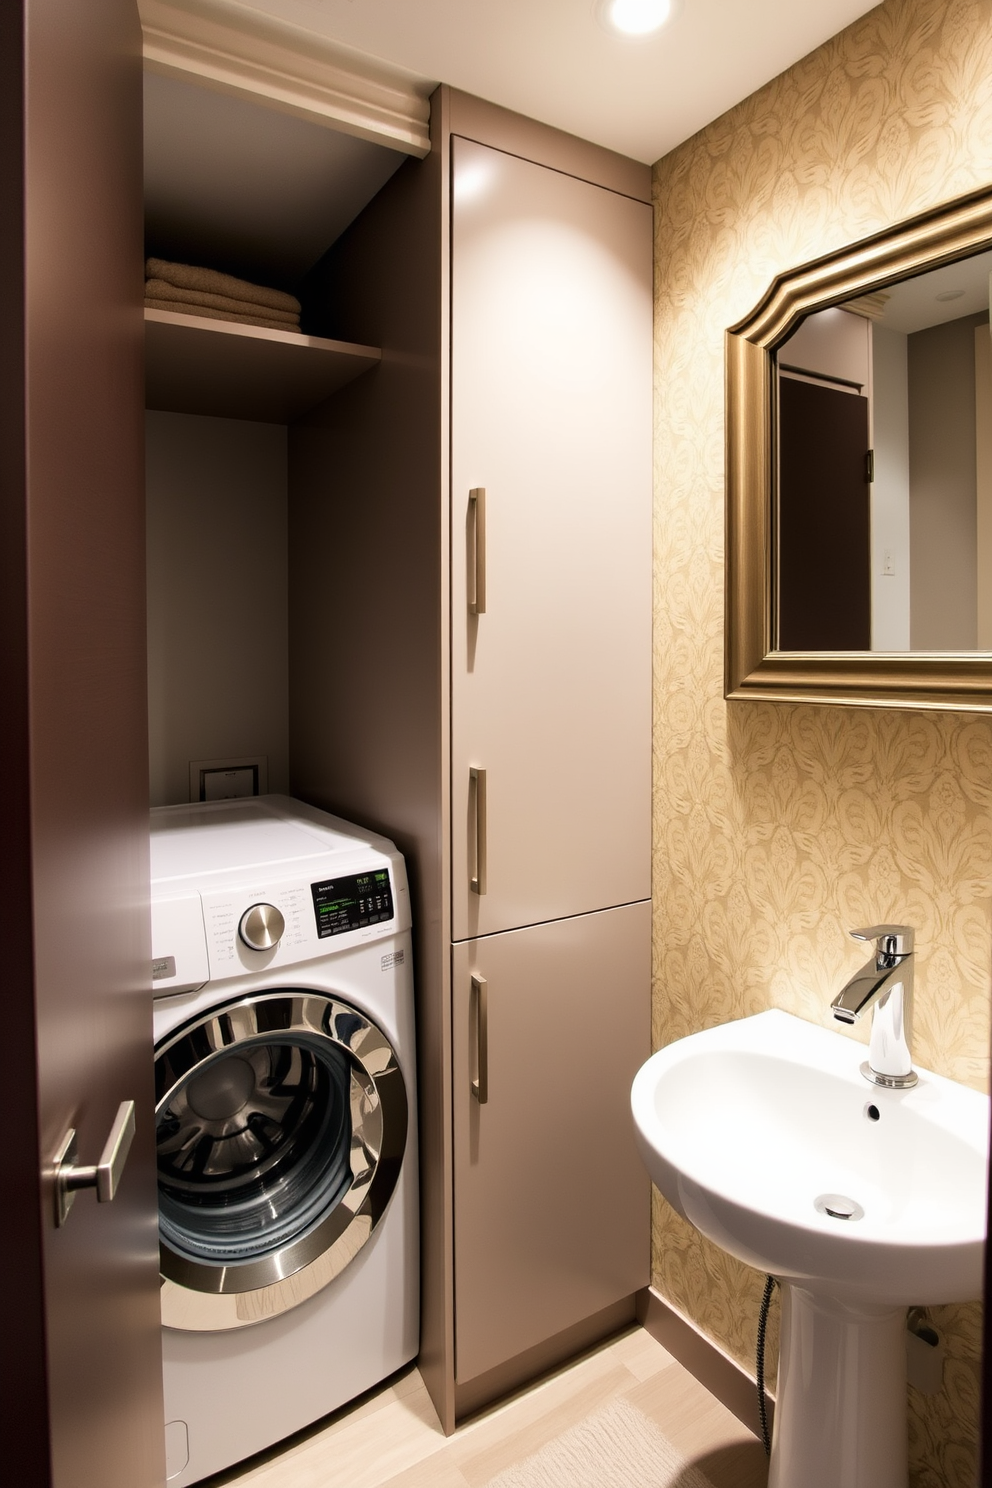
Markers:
(217, 597)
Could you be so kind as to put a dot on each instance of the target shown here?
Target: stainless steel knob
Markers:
(262, 927)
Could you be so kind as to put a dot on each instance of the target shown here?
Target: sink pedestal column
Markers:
(840, 1411)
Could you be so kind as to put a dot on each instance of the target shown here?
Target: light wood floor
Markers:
(392, 1439)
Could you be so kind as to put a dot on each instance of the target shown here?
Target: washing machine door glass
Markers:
(281, 1124)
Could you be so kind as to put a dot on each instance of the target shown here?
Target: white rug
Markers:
(618, 1447)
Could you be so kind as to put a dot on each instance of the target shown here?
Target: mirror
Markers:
(859, 474)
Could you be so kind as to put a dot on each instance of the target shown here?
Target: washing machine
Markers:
(285, 1121)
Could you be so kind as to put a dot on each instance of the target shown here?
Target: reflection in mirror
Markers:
(884, 475)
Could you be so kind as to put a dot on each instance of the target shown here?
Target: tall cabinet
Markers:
(470, 572)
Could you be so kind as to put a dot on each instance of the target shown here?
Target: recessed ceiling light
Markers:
(950, 294)
(634, 18)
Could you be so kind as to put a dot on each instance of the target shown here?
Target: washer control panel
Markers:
(260, 925)
(230, 917)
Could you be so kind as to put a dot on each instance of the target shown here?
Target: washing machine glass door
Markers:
(281, 1124)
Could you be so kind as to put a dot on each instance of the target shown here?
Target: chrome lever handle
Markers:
(890, 940)
(104, 1176)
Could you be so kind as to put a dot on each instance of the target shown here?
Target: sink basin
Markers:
(862, 1201)
(744, 1127)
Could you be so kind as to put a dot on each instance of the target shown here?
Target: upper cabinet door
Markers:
(551, 564)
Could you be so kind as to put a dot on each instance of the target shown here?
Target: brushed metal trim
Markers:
(960, 681)
(203, 1297)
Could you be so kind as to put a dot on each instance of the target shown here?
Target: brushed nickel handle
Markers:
(477, 591)
(105, 1176)
(477, 809)
(480, 996)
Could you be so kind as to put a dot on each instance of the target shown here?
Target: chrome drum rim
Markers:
(320, 1038)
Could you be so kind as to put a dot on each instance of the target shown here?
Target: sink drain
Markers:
(839, 1206)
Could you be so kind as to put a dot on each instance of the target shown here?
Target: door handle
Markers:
(480, 1082)
(477, 586)
(477, 798)
(105, 1177)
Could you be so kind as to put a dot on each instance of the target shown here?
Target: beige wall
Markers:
(777, 828)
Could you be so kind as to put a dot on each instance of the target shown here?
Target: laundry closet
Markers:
(399, 566)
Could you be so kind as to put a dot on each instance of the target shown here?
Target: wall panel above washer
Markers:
(217, 597)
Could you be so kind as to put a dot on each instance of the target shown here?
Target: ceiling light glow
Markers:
(636, 17)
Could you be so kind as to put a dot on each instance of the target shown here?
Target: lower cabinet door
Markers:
(551, 1203)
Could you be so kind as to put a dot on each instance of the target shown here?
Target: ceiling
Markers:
(261, 193)
(552, 60)
(914, 305)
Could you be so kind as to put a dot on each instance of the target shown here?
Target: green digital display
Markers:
(351, 902)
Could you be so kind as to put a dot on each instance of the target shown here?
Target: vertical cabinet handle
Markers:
(477, 810)
(477, 572)
(105, 1176)
(480, 998)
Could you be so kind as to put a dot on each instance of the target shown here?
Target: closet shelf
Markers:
(220, 367)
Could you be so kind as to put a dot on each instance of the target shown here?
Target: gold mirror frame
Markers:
(946, 679)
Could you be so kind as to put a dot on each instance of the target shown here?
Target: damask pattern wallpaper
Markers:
(780, 827)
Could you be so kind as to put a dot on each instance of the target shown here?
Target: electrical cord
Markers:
(760, 1362)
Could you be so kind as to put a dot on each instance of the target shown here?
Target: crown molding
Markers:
(228, 46)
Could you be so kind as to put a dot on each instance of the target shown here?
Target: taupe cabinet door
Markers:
(551, 417)
(551, 1200)
(81, 1403)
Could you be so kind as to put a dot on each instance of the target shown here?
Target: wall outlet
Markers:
(228, 779)
(888, 563)
(924, 1354)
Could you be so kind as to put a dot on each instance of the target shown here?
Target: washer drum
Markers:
(281, 1123)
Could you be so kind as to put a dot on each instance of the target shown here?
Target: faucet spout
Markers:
(885, 985)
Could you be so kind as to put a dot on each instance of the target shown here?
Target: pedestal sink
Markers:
(764, 1134)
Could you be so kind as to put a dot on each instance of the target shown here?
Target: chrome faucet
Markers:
(885, 984)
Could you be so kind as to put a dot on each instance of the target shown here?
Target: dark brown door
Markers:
(81, 1382)
(824, 519)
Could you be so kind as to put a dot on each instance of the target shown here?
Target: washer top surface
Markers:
(270, 833)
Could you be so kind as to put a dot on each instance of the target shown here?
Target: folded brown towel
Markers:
(209, 281)
(159, 289)
(182, 308)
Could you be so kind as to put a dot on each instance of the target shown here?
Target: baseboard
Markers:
(715, 1370)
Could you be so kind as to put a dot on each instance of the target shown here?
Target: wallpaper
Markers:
(780, 827)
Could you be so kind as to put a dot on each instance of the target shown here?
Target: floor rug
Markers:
(617, 1447)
